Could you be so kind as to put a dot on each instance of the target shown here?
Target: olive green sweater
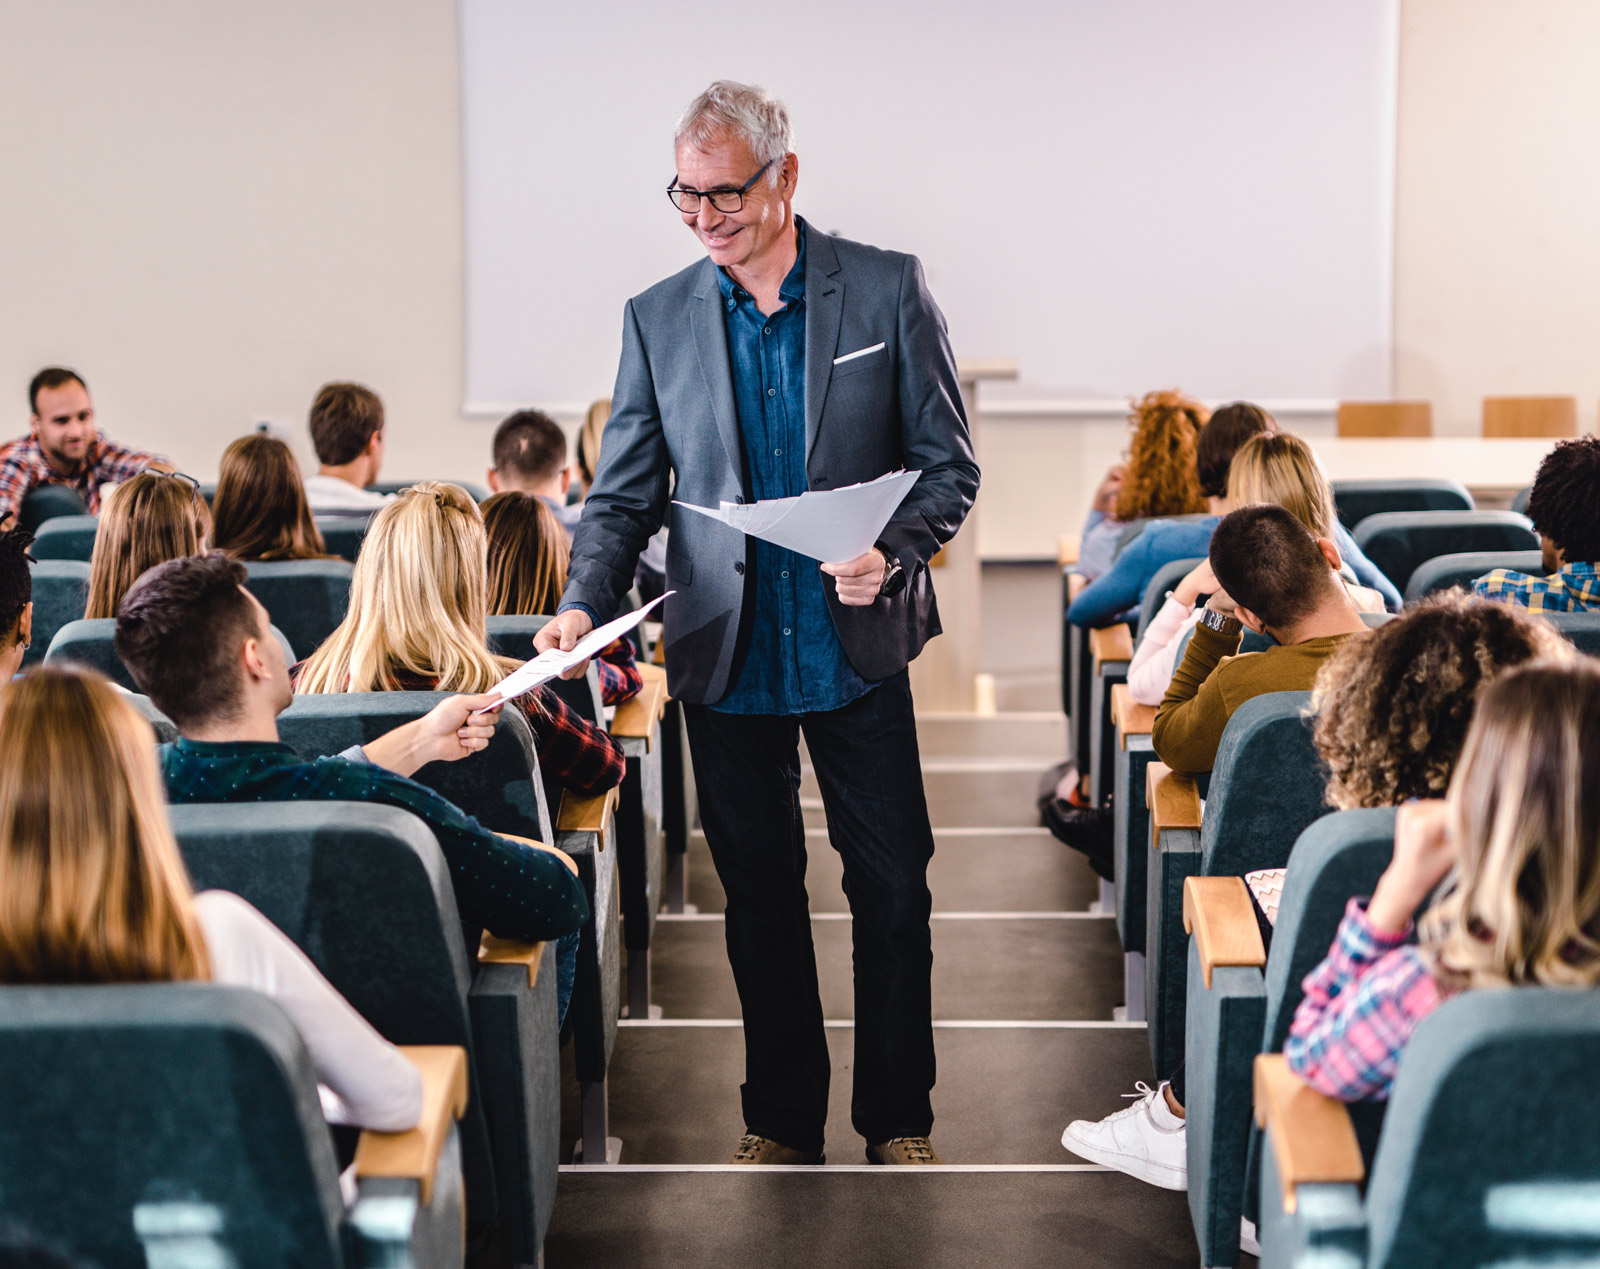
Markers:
(1212, 682)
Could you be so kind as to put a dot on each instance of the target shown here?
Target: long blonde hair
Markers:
(1281, 468)
(92, 889)
(153, 518)
(417, 601)
(1522, 905)
(528, 555)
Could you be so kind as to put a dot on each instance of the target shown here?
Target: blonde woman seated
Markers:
(93, 890)
(1278, 468)
(259, 511)
(528, 554)
(418, 602)
(155, 517)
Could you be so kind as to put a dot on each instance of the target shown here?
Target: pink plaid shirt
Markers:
(23, 468)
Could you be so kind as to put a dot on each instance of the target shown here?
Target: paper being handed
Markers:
(831, 525)
(552, 662)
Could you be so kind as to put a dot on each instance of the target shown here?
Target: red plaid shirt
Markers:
(23, 468)
(620, 679)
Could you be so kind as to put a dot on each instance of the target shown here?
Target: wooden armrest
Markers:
(651, 672)
(1111, 643)
(1312, 1137)
(586, 815)
(658, 654)
(493, 951)
(1075, 584)
(414, 1154)
(1218, 912)
(1130, 717)
(1067, 549)
(636, 717)
(1173, 799)
(553, 850)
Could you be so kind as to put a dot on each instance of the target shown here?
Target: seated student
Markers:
(1158, 479)
(418, 602)
(16, 601)
(155, 517)
(1565, 509)
(259, 511)
(1516, 844)
(1118, 592)
(1270, 467)
(528, 572)
(530, 457)
(1271, 575)
(64, 449)
(93, 890)
(200, 647)
(347, 434)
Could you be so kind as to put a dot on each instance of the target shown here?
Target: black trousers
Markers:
(747, 773)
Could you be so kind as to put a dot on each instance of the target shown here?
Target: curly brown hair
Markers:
(1162, 478)
(1393, 704)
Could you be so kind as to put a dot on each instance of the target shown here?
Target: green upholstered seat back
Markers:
(66, 538)
(1398, 541)
(343, 534)
(305, 599)
(87, 642)
(512, 636)
(1355, 500)
(1165, 578)
(60, 594)
(1462, 568)
(1581, 629)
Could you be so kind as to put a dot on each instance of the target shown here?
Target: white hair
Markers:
(741, 110)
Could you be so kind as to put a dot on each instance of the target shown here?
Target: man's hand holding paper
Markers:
(565, 655)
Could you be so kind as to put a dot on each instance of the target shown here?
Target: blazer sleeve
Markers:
(935, 438)
(628, 501)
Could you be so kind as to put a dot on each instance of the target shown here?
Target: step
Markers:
(972, 870)
(1002, 966)
(1041, 736)
(809, 1217)
(962, 793)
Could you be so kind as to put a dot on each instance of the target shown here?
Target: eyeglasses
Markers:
(180, 476)
(727, 200)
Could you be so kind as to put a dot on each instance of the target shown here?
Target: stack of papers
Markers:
(831, 525)
(553, 663)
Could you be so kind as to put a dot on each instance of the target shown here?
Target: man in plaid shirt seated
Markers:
(64, 448)
(1565, 510)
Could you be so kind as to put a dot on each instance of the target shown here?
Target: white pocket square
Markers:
(859, 352)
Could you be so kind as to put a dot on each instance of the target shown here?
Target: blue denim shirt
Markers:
(795, 663)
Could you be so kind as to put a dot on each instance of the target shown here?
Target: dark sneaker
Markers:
(902, 1151)
(1087, 830)
(754, 1149)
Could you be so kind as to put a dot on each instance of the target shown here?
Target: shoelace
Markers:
(915, 1147)
(1142, 1093)
(749, 1148)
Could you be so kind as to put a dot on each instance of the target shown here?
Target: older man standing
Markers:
(786, 361)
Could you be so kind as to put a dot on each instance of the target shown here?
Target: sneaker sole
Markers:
(1167, 1178)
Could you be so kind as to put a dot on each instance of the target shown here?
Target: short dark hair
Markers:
(343, 418)
(531, 446)
(1565, 503)
(51, 377)
(16, 580)
(179, 631)
(1268, 562)
(1229, 427)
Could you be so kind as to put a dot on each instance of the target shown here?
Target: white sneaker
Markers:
(1247, 1238)
(1136, 1140)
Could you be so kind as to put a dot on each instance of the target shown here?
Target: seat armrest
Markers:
(586, 815)
(1067, 549)
(554, 850)
(1130, 717)
(495, 951)
(414, 1154)
(636, 717)
(1217, 911)
(1173, 799)
(1075, 584)
(652, 672)
(1312, 1138)
(1111, 643)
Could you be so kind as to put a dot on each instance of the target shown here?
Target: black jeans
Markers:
(747, 772)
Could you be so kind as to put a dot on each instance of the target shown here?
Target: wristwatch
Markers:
(894, 575)
(1222, 623)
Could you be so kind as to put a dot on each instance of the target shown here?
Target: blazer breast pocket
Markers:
(872, 357)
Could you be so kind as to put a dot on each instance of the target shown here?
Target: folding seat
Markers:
(1242, 999)
(88, 642)
(60, 594)
(1462, 568)
(1398, 541)
(1483, 1159)
(1581, 629)
(1355, 500)
(307, 599)
(343, 534)
(502, 788)
(179, 1124)
(1520, 499)
(366, 894)
(65, 538)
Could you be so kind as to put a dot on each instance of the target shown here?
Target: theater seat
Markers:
(343, 535)
(1581, 629)
(1483, 1158)
(179, 1124)
(1355, 500)
(1462, 568)
(1398, 541)
(66, 538)
(306, 599)
(87, 642)
(60, 594)
(477, 492)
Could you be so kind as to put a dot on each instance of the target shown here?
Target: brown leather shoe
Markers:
(754, 1149)
(903, 1151)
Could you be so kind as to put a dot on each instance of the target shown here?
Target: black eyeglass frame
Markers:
(711, 195)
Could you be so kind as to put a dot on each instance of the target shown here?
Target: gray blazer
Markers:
(673, 416)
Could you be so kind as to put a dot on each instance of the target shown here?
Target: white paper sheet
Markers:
(551, 663)
(831, 525)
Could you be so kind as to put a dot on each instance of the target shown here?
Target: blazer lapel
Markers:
(824, 310)
(711, 345)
